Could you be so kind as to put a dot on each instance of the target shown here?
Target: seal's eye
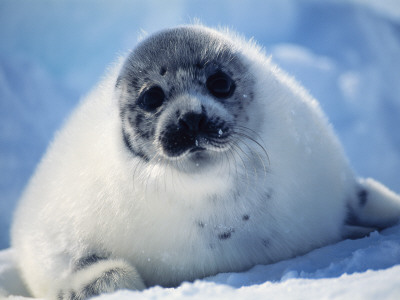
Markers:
(220, 85)
(152, 98)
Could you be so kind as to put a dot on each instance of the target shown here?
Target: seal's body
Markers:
(195, 156)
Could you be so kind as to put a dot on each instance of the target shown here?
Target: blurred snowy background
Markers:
(345, 52)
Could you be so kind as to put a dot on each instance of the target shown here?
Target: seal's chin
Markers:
(200, 155)
(197, 149)
(196, 160)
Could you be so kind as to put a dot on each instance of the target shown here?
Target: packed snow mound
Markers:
(367, 268)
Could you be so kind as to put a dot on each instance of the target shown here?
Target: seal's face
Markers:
(183, 97)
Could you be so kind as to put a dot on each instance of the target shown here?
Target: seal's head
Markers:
(183, 97)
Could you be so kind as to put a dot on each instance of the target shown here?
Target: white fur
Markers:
(382, 206)
(89, 195)
(124, 276)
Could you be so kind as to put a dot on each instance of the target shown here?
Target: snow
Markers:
(367, 268)
(345, 52)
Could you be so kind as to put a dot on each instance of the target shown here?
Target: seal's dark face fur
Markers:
(183, 95)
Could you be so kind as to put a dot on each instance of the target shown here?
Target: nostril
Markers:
(193, 122)
(203, 122)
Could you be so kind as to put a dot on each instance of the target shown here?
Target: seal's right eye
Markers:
(152, 98)
(220, 85)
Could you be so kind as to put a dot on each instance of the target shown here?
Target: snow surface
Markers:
(345, 52)
(367, 268)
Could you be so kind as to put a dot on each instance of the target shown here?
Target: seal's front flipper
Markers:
(97, 276)
(373, 206)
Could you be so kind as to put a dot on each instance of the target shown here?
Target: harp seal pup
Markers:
(195, 155)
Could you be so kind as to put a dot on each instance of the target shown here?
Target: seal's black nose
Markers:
(193, 122)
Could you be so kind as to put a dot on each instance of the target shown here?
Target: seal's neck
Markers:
(162, 181)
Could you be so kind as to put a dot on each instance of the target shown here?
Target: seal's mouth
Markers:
(197, 149)
(197, 157)
(176, 143)
(193, 136)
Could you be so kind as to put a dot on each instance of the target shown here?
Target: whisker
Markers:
(237, 146)
(234, 147)
(245, 133)
(256, 153)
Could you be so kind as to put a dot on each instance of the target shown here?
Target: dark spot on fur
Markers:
(88, 261)
(199, 65)
(131, 149)
(268, 194)
(131, 120)
(251, 95)
(351, 217)
(139, 120)
(163, 71)
(362, 197)
(171, 90)
(135, 82)
(265, 242)
(131, 107)
(226, 235)
(245, 217)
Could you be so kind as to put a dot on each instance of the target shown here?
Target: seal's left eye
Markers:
(152, 98)
(220, 85)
